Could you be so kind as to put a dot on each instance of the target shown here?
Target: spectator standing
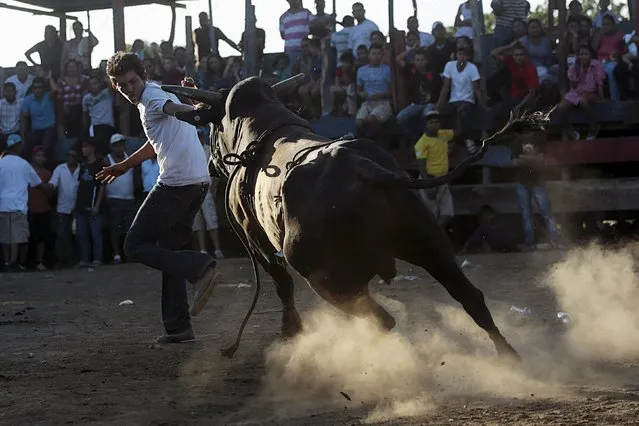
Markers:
(79, 48)
(171, 74)
(432, 151)
(71, 87)
(89, 207)
(586, 78)
(361, 33)
(50, 51)
(343, 93)
(423, 88)
(425, 39)
(39, 209)
(440, 52)
(16, 177)
(120, 197)
(507, 11)
(97, 107)
(340, 39)
(528, 160)
(65, 180)
(464, 20)
(207, 38)
(310, 92)
(374, 84)
(22, 80)
(38, 117)
(259, 45)
(610, 48)
(575, 9)
(461, 91)
(321, 25)
(295, 27)
(627, 70)
(10, 111)
(604, 10)
(524, 81)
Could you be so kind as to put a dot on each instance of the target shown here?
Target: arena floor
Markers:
(72, 354)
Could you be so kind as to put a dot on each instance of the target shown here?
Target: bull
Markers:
(338, 211)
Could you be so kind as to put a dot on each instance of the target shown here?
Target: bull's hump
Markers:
(247, 95)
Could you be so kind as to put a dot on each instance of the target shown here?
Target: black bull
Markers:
(340, 212)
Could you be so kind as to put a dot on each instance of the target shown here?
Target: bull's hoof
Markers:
(291, 323)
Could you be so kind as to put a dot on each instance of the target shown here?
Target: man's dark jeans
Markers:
(64, 239)
(160, 231)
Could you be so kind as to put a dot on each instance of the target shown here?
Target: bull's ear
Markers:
(197, 117)
(204, 96)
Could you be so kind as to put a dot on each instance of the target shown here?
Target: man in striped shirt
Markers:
(10, 113)
(507, 11)
(294, 27)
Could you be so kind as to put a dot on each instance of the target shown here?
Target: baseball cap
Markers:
(431, 114)
(117, 138)
(437, 24)
(13, 140)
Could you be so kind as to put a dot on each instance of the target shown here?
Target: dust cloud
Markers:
(600, 290)
(405, 373)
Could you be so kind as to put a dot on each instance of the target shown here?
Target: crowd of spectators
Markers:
(63, 97)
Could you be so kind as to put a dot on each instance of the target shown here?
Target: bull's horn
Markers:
(204, 96)
(284, 84)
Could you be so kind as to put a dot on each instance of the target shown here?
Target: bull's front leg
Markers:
(291, 320)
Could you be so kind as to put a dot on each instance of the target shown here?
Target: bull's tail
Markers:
(373, 172)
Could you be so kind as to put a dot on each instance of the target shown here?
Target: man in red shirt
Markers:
(524, 81)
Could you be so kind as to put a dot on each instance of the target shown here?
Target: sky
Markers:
(152, 23)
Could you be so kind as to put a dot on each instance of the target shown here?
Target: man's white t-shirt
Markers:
(16, 176)
(67, 185)
(461, 84)
(361, 34)
(180, 156)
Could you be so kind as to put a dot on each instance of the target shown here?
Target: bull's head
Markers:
(213, 111)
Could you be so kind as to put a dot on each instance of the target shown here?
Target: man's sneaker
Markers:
(82, 264)
(182, 336)
(96, 264)
(117, 259)
(41, 268)
(203, 288)
(219, 254)
(470, 146)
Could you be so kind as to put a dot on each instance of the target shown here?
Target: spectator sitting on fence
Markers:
(171, 74)
(604, 10)
(425, 39)
(38, 118)
(464, 42)
(378, 37)
(294, 29)
(460, 92)
(10, 112)
(586, 77)
(572, 40)
(310, 92)
(97, 106)
(524, 81)
(281, 69)
(78, 48)
(343, 92)
(520, 29)
(627, 70)
(464, 20)
(152, 71)
(233, 72)
(213, 77)
(440, 52)
(492, 234)
(432, 151)
(412, 43)
(361, 59)
(506, 12)
(423, 88)
(22, 80)
(610, 47)
(539, 48)
(374, 83)
(321, 25)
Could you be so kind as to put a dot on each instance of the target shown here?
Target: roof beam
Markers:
(37, 12)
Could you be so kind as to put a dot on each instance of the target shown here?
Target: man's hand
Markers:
(95, 210)
(109, 174)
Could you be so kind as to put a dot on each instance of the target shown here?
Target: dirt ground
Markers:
(71, 354)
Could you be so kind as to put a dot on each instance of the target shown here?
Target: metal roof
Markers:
(66, 6)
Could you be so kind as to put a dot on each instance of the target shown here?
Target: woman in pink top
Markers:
(586, 77)
(610, 47)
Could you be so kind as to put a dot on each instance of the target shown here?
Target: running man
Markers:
(162, 227)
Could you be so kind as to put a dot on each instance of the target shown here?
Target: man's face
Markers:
(87, 149)
(375, 56)
(462, 57)
(362, 54)
(72, 158)
(130, 85)
(38, 159)
(320, 5)
(295, 4)
(604, 4)
(420, 61)
(22, 71)
(573, 27)
(584, 27)
(204, 20)
(94, 85)
(432, 125)
(38, 90)
(358, 12)
(584, 56)
(519, 56)
(607, 26)
(440, 33)
(412, 40)
(575, 9)
(10, 94)
(77, 29)
(412, 24)
(168, 64)
(180, 55)
(117, 148)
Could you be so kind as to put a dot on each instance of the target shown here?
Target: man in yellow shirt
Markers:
(432, 151)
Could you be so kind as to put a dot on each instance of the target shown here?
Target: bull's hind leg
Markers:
(291, 321)
(433, 252)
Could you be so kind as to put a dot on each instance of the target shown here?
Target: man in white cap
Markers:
(16, 177)
(162, 227)
(120, 197)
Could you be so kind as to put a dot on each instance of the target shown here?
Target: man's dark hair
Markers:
(520, 46)
(609, 17)
(178, 48)
(358, 4)
(584, 18)
(9, 85)
(21, 63)
(376, 46)
(39, 80)
(123, 62)
(362, 47)
(347, 57)
(419, 51)
(203, 14)
(95, 77)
